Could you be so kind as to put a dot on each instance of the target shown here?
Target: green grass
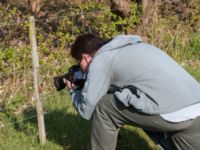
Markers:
(194, 72)
(65, 129)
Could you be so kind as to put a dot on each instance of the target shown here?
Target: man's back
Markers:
(148, 68)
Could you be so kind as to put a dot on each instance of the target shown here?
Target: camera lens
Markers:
(58, 83)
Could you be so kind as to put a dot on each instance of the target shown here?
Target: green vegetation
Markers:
(176, 29)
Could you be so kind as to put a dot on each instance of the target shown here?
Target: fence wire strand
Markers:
(25, 119)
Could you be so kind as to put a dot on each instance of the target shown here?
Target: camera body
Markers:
(75, 75)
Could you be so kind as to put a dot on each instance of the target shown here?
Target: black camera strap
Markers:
(114, 88)
(133, 89)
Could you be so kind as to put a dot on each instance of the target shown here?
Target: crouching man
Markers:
(149, 90)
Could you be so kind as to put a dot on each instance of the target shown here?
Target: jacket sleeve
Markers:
(96, 85)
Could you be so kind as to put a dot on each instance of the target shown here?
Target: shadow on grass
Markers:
(73, 133)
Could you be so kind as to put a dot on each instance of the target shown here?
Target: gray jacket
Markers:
(163, 85)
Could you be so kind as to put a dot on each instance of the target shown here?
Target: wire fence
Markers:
(20, 82)
(17, 80)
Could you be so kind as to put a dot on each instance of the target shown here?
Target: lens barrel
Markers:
(59, 83)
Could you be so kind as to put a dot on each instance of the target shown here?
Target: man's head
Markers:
(84, 48)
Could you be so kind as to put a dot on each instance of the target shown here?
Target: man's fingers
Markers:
(68, 84)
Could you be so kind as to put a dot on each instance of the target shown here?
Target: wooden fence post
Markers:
(40, 115)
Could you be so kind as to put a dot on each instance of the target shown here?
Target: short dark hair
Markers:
(86, 43)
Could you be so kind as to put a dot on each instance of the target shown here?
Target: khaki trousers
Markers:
(110, 114)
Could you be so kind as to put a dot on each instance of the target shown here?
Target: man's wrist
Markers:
(71, 91)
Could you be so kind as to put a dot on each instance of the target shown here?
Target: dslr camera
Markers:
(75, 75)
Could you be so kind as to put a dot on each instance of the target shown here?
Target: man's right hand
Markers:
(70, 85)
